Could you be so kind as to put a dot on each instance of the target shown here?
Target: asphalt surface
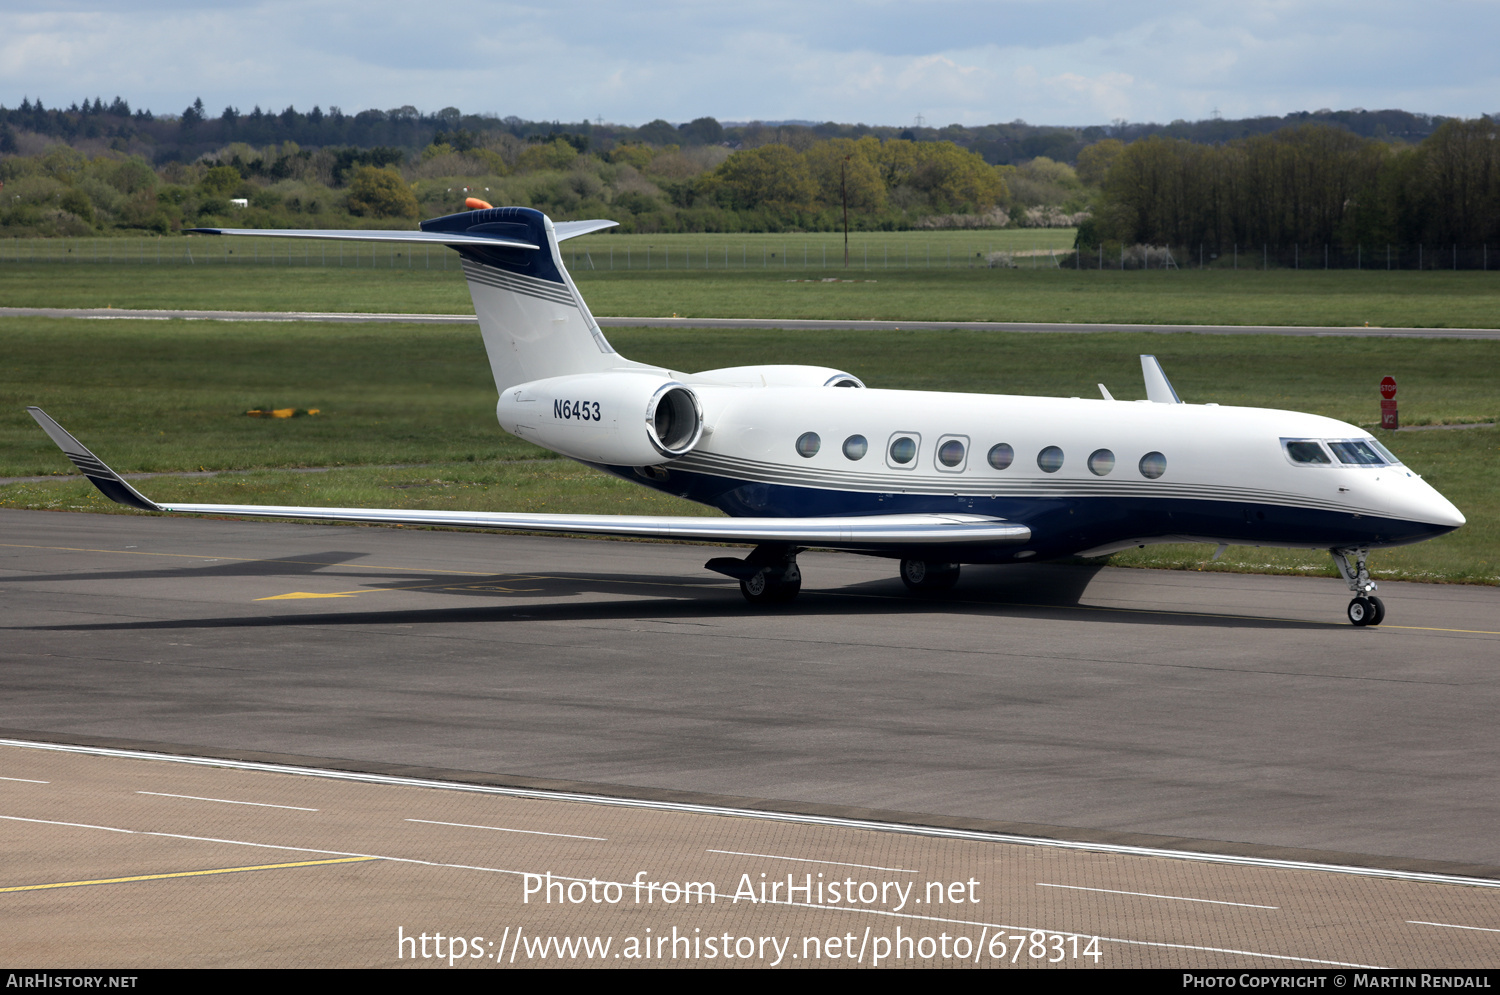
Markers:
(788, 323)
(126, 861)
(1231, 713)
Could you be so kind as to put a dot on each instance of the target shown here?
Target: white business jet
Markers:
(802, 456)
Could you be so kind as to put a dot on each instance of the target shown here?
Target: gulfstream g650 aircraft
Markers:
(804, 456)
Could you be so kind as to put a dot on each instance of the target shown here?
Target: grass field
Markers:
(171, 395)
(1278, 297)
(752, 250)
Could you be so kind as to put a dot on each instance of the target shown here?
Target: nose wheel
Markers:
(1365, 609)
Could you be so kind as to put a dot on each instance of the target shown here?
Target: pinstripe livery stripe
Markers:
(964, 485)
(527, 286)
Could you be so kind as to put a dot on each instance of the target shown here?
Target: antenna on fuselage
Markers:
(1158, 387)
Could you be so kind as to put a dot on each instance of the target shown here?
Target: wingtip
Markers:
(108, 482)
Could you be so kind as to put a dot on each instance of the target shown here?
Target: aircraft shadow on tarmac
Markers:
(1046, 591)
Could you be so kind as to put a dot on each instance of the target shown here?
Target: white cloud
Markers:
(878, 61)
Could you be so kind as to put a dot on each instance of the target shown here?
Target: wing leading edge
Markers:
(870, 533)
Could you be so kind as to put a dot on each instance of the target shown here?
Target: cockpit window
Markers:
(1390, 457)
(1306, 451)
(1356, 453)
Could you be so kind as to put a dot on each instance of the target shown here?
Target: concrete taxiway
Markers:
(794, 324)
(124, 861)
(1235, 713)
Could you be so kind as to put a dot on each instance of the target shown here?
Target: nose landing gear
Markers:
(1365, 609)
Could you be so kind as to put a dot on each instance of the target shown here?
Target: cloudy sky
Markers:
(966, 61)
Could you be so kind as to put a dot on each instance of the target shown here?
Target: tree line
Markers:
(1310, 185)
(804, 186)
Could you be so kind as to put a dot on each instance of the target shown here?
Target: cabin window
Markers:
(1153, 465)
(1306, 451)
(1001, 455)
(856, 446)
(1050, 459)
(951, 453)
(1101, 462)
(903, 450)
(1356, 453)
(808, 444)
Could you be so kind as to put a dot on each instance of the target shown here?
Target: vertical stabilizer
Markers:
(1158, 387)
(534, 322)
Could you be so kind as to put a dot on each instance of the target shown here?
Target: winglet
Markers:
(110, 483)
(1158, 387)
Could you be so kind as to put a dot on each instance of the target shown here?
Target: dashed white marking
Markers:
(1483, 929)
(226, 801)
(26, 780)
(810, 860)
(1147, 894)
(501, 829)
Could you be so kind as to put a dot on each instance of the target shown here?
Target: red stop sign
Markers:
(1388, 388)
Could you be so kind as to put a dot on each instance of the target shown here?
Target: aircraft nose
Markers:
(1444, 513)
(1436, 510)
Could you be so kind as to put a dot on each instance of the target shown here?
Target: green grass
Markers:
(1277, 297)
(171, 395)
(751, 250)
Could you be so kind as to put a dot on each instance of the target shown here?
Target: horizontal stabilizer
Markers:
(875, 532)
(375, 235)
(572, 229)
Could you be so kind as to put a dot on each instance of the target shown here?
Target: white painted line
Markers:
(788, 817)
(1483, 929)
(25, 779)
(809, 860)
(1147, 894)
(499, 829)
(627, 884)
(226, 801)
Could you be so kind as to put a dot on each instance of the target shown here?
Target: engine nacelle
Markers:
(619, 418)
(779, 376)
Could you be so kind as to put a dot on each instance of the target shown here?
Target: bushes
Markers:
(380, 193)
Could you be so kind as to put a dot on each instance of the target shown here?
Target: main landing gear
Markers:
(1365, 609)
(769, 575)
(927, 577)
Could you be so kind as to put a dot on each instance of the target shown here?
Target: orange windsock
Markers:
(475, 204)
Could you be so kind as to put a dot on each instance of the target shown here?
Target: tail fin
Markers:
(534, 322)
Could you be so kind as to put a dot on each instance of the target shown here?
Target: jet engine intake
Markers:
(619, 418)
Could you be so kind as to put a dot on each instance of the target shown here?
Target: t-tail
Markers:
(534, 321)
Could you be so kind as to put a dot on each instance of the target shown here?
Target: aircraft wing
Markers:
(876, 532)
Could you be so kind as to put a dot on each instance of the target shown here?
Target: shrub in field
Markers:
(381, 193)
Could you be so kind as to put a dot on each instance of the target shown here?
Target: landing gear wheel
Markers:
(1378, 610)
(762, 589)
(1362, 612)
(924, 577)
